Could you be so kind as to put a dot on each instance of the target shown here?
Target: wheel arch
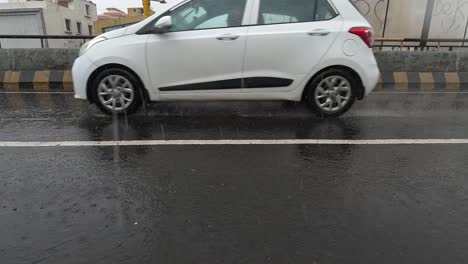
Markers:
(360, 89)
(100, 69)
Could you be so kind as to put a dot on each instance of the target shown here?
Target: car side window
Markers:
(324, 11)
(206, 14)
(293, 11)
(216, 22)
(275, 18)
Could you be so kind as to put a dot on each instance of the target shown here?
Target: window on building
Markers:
(63, 3)
(90, 30)
(293, 11)
(88, 12)
(78, 27)
(67, 25)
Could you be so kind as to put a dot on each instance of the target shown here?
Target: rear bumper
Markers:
(371, 78)
(81, 71)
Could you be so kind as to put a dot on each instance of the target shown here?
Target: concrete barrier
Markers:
(43, 68)
(37, 59)
(420, 61)
(423, 70)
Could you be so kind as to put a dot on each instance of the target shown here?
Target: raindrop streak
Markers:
(116, 152)
(163, 133)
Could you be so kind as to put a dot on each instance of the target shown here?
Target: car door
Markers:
(288, 40)
(202, 54)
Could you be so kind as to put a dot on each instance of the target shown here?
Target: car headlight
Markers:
(91, 43)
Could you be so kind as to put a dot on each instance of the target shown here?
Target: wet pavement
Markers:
(234, 204)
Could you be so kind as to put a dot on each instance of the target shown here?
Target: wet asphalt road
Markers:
(234, 204)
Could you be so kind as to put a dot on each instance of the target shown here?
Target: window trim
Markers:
(254, 12)
(249, 12)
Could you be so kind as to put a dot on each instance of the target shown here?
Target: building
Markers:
(135, 11)
(106, 25)
(112, 13)
(46, 17)
(114, 18)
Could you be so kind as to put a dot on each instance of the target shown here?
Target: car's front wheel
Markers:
(116, 91)
(331, 93)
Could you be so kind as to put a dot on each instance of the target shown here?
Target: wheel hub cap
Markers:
(333, 93)
(116, 92)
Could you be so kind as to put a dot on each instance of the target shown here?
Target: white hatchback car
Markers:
(317, 51)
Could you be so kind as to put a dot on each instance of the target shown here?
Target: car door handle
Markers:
(227, 37)
(319, 33)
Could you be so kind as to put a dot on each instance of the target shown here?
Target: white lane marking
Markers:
(235, 142)
(12, 92)
(374, 92)
(421, 92)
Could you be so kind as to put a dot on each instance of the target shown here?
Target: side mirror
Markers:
(163, 25)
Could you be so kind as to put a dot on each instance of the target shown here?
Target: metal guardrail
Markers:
(419, 44)
(43, 37)
(380, 43)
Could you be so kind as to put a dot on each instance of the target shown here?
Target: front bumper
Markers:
(82, 69)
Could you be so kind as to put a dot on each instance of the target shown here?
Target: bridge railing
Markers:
(408, 44)
(47, 37)
(417, 44)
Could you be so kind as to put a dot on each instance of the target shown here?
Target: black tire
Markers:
(134, 105)
(310, 93)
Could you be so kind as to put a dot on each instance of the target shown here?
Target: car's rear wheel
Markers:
(116, 91)
(331, 93)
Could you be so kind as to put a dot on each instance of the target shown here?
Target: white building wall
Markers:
(26, 22)
(52, 21)
(55, 16)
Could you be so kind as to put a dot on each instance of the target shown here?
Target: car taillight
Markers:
(365, 34)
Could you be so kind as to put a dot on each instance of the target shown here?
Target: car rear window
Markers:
(293, 11)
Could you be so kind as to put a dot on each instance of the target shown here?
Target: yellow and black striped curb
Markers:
(423, 81)
(50, 80)
(424, 77)
(57, 80)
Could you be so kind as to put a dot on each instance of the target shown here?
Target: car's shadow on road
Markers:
(219, 120)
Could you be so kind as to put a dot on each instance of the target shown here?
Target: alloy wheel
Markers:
(333, 93)
(116, 93)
